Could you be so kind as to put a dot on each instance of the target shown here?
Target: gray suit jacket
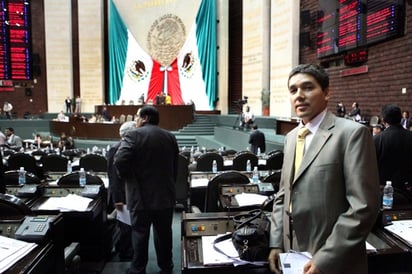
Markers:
(335, 196)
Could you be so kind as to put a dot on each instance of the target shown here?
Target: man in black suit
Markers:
(394, 149)
(147, 160)
(257, 140)
(406, 121)
(118, 196)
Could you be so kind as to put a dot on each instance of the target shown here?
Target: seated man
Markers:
(247, 118)
(13, 141)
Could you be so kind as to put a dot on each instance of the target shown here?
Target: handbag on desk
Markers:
(251, 236)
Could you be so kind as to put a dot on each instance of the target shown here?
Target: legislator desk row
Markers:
(389, 247)
(42, 162)
(31, 244)
(229, 190)
(232, 160)
(83, 209)
(216, 198)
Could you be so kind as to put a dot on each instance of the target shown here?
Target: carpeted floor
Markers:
(115, 266)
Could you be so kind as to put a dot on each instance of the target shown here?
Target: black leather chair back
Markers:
(54, 162)
(273, 178)
(12, 207)
(93, 162)
(72, 179)
(21, 159)
(240, 160)
(213, 188)
(182, 184)
(11, 177)
(275, 160)
(205, 161)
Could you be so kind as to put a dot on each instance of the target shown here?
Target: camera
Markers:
(240, 101)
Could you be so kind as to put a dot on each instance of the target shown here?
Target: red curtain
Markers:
(173, 83)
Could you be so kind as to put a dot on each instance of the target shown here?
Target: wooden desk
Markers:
(284, 126)
(172, 117)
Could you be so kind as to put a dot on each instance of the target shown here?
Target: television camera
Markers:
(241, 102)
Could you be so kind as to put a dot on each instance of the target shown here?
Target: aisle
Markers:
(114, 266)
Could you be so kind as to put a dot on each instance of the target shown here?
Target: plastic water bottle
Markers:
(248, 166)
(69, 166)
(255, 176)
(82, 177)
(22, 176)
(258, 152)
(214, 166)
(387, 200)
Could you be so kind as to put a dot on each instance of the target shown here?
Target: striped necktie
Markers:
(300, 145)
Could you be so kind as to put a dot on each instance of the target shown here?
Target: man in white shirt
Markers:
(248, 118)
(12, 139)
(7, 108)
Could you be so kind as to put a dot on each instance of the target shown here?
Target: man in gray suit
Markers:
(147, 161)
(329, 207)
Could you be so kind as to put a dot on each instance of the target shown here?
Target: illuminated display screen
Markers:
(15, 40)
(348, 24)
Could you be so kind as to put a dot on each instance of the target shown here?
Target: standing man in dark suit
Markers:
(257, 140)
(147, 160)
(329, 204)
(394, 149)
(406, 121)
(118, 195)
(68, 103)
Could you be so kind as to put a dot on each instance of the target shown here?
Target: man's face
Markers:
(139, 120)
(306, 96)
(7, 132)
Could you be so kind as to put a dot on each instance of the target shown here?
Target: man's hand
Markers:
(274, 263)
(310, 268)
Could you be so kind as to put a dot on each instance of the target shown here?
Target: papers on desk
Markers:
(12, 250)
(213, 257)
(293, 262)
(248, 199)
(71, 202)
(200, 182)
(402, 229)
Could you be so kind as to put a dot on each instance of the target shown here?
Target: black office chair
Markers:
(39, 153)
(11, 177)
(402, 198)
(12, 207)
(182, 184)
(274, 179)
(229, 152)
(240, 160)
(93, 162)
(72, 179)
(275, 160)
(212, 201)
(21, 159)
(205, 161)
(54, 163)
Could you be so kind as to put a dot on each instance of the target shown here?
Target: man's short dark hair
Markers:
(391, 114)
(10, 129)
(150, 113)
(316, 71)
